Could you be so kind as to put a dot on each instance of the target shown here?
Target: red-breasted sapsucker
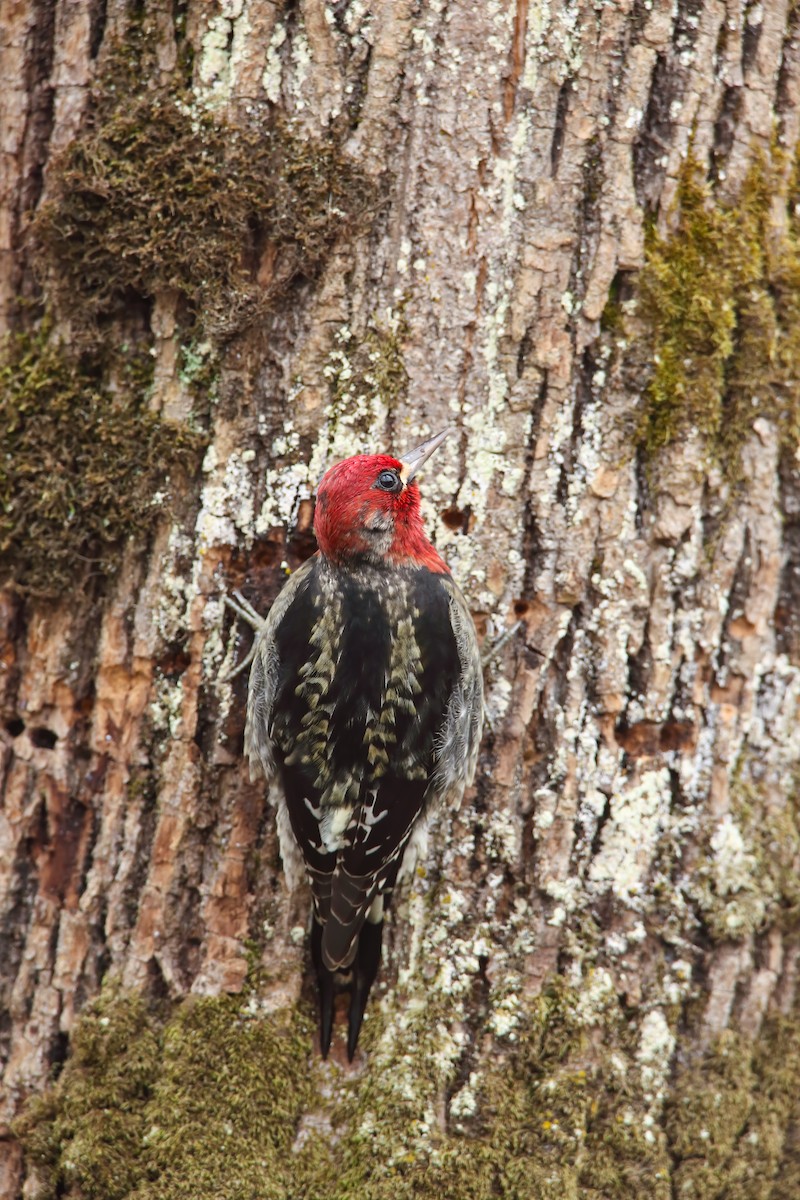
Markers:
(365, 705)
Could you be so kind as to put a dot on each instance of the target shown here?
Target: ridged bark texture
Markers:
(538, 222)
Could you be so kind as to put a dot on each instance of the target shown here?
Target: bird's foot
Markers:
(500, 643)
(244, 609)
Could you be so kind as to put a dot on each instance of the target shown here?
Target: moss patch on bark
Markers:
(158, 193)
(84, 464)
(749, 876)
(720, 299)
(731, 1116)
(367, 377)
(220, 1099)
(205, 1104)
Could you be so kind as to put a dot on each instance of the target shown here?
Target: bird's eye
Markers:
(388, 481)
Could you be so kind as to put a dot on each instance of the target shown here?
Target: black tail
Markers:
(365, 968)
(357, 979)
(325, 986)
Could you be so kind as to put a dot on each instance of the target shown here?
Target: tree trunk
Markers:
(240, 241)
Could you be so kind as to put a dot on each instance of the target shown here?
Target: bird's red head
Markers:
(368, 509)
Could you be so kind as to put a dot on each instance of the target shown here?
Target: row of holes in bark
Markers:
(43, 739)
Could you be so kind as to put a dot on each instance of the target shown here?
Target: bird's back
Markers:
(366, 662)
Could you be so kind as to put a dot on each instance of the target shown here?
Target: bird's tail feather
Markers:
(325, 985)
(352, 897)
(365, 968)
(359, 946)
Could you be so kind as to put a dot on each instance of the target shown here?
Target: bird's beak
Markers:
(415, 458)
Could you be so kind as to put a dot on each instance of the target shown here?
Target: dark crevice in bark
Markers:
(477, 1010)
(186, 937)
(740, 586)
(531, 550)
(652, 144)
(640, 667)
(38, 128)
(788, 70)
(787, 609)
(531, 535)
(523, 352)
(712, 515)
(741, 989)
(544, 736)
(640, 15)
(643, 498)
(360, 63)
(558, 670)
(587, 226)
(17, 920)
(90, 794)
(687, 24)
(61, 872)
(583, 395)
(97, 26)
(602, 821)
(57, 1056)
(725, 130)
(675, 790)
(143, 785)
(184, 49)
(751, 37)
(157, 986)
(6, 1031)
(559, 125)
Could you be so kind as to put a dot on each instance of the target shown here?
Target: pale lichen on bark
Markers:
(592, 975)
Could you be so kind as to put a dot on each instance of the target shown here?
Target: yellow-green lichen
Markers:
(83, 464)
(749, 875)
(555, 1113)
(367, 382)
(730, 1116)
(156, 193)
(367, 373)
(718, 296)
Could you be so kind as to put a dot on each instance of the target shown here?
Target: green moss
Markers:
(223, 1113)
(719, 300)
(205, 1104)
(729, 1115)
(156, 193)
(80, 462)
(85, 1135)
(220, 1100)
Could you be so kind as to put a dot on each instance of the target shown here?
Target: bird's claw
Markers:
(244, 609)
(489, 655)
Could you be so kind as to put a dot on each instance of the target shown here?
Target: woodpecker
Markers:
(365, 707)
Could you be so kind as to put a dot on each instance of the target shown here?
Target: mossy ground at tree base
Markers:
(84, 466)
(719, 299)
(220, 1099)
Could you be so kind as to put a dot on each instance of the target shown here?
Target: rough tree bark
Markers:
(568, 228)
